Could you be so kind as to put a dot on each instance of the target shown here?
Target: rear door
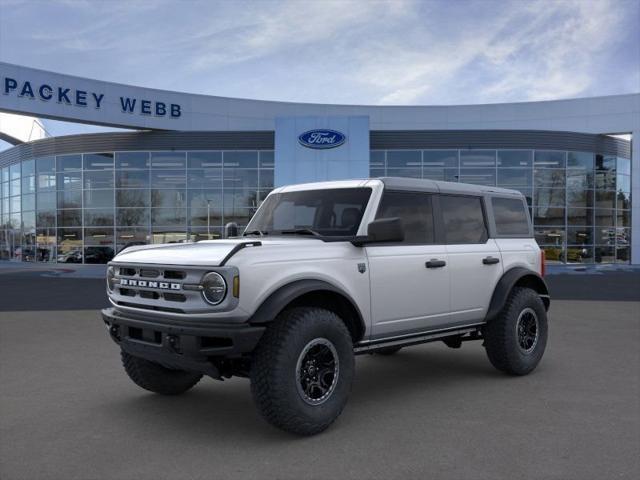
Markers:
(474, 258)
(409, 279)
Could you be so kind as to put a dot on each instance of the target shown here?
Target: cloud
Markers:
(338, 51)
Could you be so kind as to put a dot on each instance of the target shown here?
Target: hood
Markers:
(206, 253)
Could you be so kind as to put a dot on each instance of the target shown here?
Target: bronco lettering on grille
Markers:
(128, 282)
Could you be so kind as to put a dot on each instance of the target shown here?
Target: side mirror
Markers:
(231, 230)
(383, 230)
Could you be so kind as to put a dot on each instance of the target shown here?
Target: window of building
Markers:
(463, 219)
(415, 211)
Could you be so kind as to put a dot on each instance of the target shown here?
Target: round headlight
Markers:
(214, 288)
(111, 275)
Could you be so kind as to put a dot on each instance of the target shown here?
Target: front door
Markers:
(410, 279)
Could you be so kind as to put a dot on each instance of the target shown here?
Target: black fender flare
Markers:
(286, 294)
(511, 278)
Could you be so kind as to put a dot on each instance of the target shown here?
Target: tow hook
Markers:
(173, 342)
(114, 331)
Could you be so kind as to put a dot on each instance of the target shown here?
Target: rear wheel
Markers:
(302, 370)
(156, 378)
(516, 339)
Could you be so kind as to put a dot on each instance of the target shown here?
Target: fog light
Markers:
(214, 288)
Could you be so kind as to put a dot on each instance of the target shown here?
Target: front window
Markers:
(325, 213)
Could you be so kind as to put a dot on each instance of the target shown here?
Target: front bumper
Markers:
(183, 347)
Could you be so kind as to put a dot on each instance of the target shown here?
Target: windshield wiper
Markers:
(255, 232)
(301, 231)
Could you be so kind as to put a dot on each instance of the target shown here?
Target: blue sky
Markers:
(365, 52)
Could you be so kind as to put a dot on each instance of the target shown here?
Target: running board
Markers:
(416, 339)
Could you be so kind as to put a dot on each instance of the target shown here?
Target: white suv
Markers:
(326, 271)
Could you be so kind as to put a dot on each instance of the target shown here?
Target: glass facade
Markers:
(84, 208)
(580, 202)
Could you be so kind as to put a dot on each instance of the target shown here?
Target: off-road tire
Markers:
(388, 351)
(274, 375)
(501, 338)
(156, 378)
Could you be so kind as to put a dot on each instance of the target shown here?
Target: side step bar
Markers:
(418, 338)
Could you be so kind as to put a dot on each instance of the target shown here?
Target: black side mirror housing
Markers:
(382, 230)
(231, 230)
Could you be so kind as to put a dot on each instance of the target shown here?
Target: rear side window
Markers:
(511, 216)
(463, 219)
(415, 211)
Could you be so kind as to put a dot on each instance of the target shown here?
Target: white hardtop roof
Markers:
(401, 183)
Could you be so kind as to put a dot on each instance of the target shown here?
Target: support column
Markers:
(635, 197)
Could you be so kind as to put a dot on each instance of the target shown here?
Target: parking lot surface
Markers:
(68, 411)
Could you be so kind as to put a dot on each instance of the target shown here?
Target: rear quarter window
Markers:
(511, 216)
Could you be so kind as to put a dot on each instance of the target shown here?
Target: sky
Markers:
(394, 52)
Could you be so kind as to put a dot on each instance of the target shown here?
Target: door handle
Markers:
(490, 260)
(435, 263)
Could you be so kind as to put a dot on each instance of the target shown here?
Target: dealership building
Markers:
(193, 163)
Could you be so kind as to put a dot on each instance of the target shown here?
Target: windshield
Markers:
(328, 213)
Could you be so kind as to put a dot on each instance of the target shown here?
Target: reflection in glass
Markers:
(405, 172)
(623, 255)
(580, 216)
(240, 159)
(477, 158)
(376, 159)
(98, 217)
(548, 216)
(549, 159)
(168, 179)
(549, 178)
(583, 160)
(169, 217)
(404, 158)
(98, 198)
(97, 161)
(553, 254)
(132, 160)
(604, 217)
(440, 159)
(70, 218)
(98, 179)
(513, 177)
(204, 159)
(478, 176)
(580, 236)
(132, 198)
(168, 160)
(132, 179)
(544, 197)
(550, 236)
(515, 158)
(129, 237)
(70, 180)
(205, 178)
(576, 254)
(604, 254)
(70, 199)
(132, 216)
(68, 162)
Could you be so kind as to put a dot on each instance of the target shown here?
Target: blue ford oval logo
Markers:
(322, 138)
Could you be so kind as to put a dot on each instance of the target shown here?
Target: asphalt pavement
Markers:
(68, 411)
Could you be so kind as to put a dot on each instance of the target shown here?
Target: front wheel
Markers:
(516, 339)
(302, 370)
